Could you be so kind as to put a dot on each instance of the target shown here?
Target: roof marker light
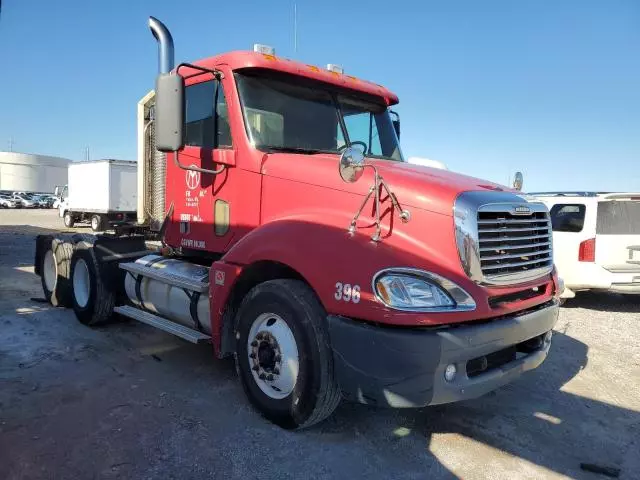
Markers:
(332, 67)
(264, 49)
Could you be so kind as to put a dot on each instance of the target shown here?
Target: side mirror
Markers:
(351, 164)
(56, 191)
(395, 120)
(169, 112)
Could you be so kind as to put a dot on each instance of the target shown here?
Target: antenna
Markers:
(295, 28)
(10, 139)
(86, 153)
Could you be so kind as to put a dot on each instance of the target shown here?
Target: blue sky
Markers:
(547, 87)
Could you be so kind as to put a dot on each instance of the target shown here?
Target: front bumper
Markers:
(404, 368)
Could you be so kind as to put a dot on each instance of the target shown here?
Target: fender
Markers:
(318, 246)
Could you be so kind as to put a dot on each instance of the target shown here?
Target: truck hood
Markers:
(430, 188)
(415, 186)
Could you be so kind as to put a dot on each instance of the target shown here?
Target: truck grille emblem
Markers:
(520, 210)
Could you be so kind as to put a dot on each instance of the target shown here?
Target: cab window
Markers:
(204, 127)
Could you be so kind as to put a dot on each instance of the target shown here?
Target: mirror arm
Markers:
(216, 73)
(218, 170)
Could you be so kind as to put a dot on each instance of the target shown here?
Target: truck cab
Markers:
(296, 238)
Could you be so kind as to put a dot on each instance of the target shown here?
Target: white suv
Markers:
(596, 240)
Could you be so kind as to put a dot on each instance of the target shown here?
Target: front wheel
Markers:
(283, 354)
(69, 221)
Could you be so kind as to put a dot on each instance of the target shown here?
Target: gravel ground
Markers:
(127, 401)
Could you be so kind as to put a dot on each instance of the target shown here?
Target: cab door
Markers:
(202, 218)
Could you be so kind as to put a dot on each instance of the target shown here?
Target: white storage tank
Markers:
(24, 172)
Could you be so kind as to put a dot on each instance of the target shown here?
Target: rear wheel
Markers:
(55, 272)
(92, 299)
(97, 223)
(283, 354)
(69, 221)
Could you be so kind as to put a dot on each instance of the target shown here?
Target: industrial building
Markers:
(25, 172)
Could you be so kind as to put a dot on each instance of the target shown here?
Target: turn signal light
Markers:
(587, 251)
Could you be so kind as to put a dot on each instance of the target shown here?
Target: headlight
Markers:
(417, 290)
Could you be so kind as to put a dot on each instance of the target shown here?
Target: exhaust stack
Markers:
(161, 33)
(152, 165)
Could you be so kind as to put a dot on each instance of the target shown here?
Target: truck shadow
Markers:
(534, 419)
(605, 302)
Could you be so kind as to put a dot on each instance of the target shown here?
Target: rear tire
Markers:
(97, 223)
(281, 325)
(92, 300)
(55, 268)
(69, 221)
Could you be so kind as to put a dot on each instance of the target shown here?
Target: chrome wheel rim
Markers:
(49, 270)
(81, 283)
(273, 355)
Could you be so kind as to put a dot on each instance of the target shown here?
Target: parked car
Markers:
(43, 201)
(54, 199)
(7, 202)
(25, 199)
(596, 240)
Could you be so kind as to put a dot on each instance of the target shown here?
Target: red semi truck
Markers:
(295, 237)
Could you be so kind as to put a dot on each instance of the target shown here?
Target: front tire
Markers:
(283, 354)
(55, 266)
(69, 221)
(92, 299)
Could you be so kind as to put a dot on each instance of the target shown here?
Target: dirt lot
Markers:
(127, 401)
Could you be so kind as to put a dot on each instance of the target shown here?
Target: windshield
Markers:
(284, 112)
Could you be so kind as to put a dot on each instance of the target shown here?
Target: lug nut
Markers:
(254, 344)
(270, 378)
(262, 376)
(252, 355)
(256, 368)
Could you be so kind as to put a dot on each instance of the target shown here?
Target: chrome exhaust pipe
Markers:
(166, 60)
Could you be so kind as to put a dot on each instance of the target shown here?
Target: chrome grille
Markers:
(513, 243)
(502, 238)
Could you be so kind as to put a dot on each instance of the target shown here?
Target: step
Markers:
(165, 277)
(186, 333)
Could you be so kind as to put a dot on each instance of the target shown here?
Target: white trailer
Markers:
(100, 191)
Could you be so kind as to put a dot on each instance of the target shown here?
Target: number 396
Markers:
(347, 292)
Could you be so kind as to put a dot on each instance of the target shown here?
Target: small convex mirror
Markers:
(351, 164)
(517, 181)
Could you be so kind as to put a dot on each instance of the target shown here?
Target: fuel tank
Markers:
(179, 304)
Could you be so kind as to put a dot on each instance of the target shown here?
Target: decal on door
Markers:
(190, 243)
(219, 277)
(347, 293)
(193, 178)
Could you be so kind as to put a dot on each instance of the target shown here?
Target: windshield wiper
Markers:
(308, 151)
